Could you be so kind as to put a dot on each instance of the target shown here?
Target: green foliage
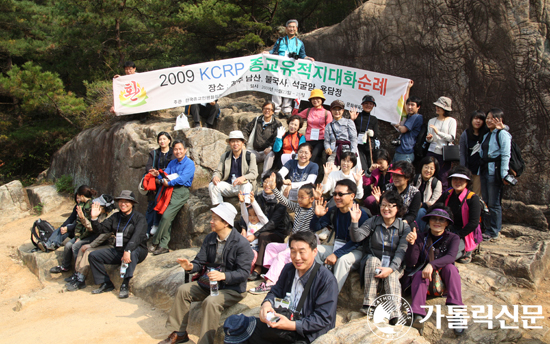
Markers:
(38, 208)
(64, 184)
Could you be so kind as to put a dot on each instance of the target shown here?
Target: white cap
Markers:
(226, 211)
(236, 134)
(459, 175)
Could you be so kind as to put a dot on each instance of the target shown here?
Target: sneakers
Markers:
(417, 324)
(365, 310)
(71, 279)
(160, 250)
(487, 237)
(261, 289)
(104, 287)
(154, 229)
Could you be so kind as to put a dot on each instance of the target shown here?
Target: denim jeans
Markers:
(403, 157)
(491, 190)
(421, 223)
(57, 238)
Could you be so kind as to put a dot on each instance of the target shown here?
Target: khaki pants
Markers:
(212, 308)
(82, 265)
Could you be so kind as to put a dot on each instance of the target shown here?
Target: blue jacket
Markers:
(293, 45)
(185, 170)
(341, 224)
(319, 312)
(494, 151)
(237, 258)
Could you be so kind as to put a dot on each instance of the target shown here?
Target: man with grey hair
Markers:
(290, 46)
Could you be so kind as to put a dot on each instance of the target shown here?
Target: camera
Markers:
(396, 142)
(293, 56)
(510, 179)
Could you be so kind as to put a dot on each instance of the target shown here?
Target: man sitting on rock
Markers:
(236, 171)
(226, 258)
(129, 228)
(318, 314)
(345, 254)
(180, 173)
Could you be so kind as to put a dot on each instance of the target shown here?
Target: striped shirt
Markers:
(302, 216)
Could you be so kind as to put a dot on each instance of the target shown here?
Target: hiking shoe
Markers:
(160, 250)
(175, 338)
(365, 310)
(58, 269)
(71, 279)
(486, 237)
(104, 287)
(417, 324)
(75, 285)
(42, 246)
(123, 294)
(261, 289)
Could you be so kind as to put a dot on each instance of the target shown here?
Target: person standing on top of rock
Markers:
(129, 69)
(409, 130)
(130, 229)
(225, 257)
(366, 125)
(302, 278)
(261, 133)
(236, 171)
(179, 176)
(289, 46)
(345, 254)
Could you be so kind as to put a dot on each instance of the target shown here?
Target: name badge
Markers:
(385, 261)
(361, 139)
(314, 135)
(119, 239)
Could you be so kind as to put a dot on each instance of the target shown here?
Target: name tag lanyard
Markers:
(120, 234)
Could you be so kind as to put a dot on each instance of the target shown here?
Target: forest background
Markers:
(58, 57)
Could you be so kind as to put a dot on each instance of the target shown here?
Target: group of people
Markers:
(355, 208)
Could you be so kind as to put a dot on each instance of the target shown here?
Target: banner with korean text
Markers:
(272, 74)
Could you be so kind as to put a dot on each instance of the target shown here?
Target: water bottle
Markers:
(233, 178)
(286, 301)
(213, 286)
(123, 268)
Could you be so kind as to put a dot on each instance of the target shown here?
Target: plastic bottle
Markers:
(233, 178)
(286, 301)
(123, 268)
(213, 286)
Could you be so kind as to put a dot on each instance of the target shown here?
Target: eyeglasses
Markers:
(267, 110)
(438, 219)
(387, 206)
(340, 194)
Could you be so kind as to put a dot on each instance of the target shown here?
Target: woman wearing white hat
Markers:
(441, 131)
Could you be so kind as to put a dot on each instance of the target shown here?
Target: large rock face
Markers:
(481, 54)
(14, 202)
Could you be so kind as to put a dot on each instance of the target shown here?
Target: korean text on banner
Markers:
(277, 75)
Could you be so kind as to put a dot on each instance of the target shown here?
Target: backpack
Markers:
(516, 164)
(421, 146)
(41, 231)
(432, 185)
(227, 154)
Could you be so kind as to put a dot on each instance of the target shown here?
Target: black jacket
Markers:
(319, 312)
(157, 160)
(135, 233)
(277, 215)
(237, 259)
(263, 138)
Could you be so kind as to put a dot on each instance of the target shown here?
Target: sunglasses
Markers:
(340, 194)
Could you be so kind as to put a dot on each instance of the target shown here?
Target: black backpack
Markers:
(421, 146)
(516, 164)
(41, 231)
